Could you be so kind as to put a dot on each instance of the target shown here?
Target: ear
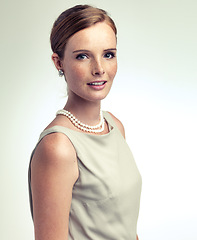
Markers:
(57, 61)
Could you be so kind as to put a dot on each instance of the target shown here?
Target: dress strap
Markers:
(111, 122)
(54, 129)
(109, 119)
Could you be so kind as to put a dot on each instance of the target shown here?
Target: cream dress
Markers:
(106, 196)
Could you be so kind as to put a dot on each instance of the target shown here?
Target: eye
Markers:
(81, 56)
(109, 55)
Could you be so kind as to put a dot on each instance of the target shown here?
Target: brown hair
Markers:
(73, 20)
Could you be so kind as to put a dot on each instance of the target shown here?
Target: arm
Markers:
(54, 171)
(119, 124)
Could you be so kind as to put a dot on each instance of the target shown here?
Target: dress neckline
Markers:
(106, 117)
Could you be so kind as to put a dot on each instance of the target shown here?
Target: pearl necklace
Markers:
(84, 127)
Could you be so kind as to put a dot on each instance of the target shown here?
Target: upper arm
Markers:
(54, 171)
(119, 124)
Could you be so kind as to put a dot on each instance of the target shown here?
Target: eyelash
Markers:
(109, 53)
(83, 56)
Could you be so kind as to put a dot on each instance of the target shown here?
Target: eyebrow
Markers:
(110, 49)
(85, 50)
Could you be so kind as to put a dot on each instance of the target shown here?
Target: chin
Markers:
(98, 96)
(91, 96)
(96, 99)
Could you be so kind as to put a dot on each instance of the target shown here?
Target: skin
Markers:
(90, 55)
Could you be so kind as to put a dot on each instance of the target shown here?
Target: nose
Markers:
(97, 68)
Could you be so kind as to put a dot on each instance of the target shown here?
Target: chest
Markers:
(107, 170)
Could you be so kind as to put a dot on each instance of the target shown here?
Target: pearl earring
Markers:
(61, 73)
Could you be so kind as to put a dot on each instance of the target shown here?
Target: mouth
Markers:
(97, 85)
(100, 83)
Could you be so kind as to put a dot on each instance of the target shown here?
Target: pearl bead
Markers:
(84, 127)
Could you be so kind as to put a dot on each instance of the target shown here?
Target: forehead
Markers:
(99, 35)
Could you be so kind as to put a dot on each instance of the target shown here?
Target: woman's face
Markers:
(90, 63)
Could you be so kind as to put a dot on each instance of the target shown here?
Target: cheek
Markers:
(78, 71)
(113, 70)
(74, 73)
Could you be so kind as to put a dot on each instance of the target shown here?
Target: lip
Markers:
(97, 87)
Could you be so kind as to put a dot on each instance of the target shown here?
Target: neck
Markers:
(86, 111)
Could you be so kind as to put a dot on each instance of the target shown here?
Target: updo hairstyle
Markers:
(73, 20)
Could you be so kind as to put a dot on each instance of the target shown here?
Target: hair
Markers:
(72, 21)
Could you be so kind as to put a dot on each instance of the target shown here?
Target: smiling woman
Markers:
(89, 63)
(83, 180)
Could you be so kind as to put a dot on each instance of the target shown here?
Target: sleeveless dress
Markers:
(106, 196)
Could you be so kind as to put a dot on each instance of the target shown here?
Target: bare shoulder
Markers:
(54, 171)
(119, 124)
(55, 150)
(55, 158)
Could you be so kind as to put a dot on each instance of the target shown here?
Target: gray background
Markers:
(154, 95)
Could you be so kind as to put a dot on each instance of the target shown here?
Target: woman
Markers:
(83, 181)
